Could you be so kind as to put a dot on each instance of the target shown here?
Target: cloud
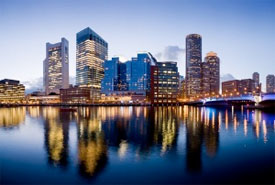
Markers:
(227, 77)
(36, 84)
(171, 53)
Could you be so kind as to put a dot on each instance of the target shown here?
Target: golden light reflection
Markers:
(11, 117)
(122, 150)
(55, 141)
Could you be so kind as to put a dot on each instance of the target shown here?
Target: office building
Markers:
(211, 75)
(56, 67)
(164, 83)
(270, 83)
(11, 91)
(230, 88)
(246, 86)
(138, 72)
(238, 87)
(75, 95)
(91, 52)
(114, 76)
(193, 65)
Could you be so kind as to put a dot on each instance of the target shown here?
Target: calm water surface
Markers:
(44, 145)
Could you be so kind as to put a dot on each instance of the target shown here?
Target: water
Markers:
(44, 145)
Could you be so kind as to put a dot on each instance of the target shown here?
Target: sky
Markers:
(241, 32)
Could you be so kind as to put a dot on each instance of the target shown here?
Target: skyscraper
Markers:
(91, 52)
(114, 76)
(56, 66)
(270, 83)
(193, 65)
(211, 75)
(256, 78)
(138, 72)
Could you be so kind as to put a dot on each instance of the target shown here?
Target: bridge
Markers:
(263, 100)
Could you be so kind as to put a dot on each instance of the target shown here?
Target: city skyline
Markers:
(239, 33)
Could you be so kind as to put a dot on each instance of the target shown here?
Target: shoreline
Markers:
(139, 105)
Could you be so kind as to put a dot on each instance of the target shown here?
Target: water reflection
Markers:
(12, 117)
(92, 150)
(138, 131)
(56, 130)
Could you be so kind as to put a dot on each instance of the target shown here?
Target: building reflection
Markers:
(141, 128)
(202, 129)
(12, 117)
(56, 132)
(139, 131)
(92, 150)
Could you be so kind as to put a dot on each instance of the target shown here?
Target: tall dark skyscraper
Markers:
(211, 75)
(193, 65)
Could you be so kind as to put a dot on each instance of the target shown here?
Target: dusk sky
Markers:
(241, 32)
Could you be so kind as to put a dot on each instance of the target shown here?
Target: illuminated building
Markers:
(164, 83)
(211, 75)
(193, 65)
(11, 91)
(270, 83)
(138, 72)
(44, 99)
(238, 87)
(246, 86)
(182, 86)
(75, 95)
(114, 76)
(56, 67)
(230, 87)
(91, 52)
(124, 97)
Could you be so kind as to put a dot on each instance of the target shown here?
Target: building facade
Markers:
(114, 76)
(11, 91)
(270, 83)
(239, 87)
(91, 52)
(75, 95)
(164, 83)
(230, 88)
(246, 86)
(138, 72)
(56, 67)
(211, 75)
(193, 65)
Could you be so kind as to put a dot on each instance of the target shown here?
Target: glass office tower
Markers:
(193, 65)
(138, 72)
(56, 67)
(91, 52)
(114, 76)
